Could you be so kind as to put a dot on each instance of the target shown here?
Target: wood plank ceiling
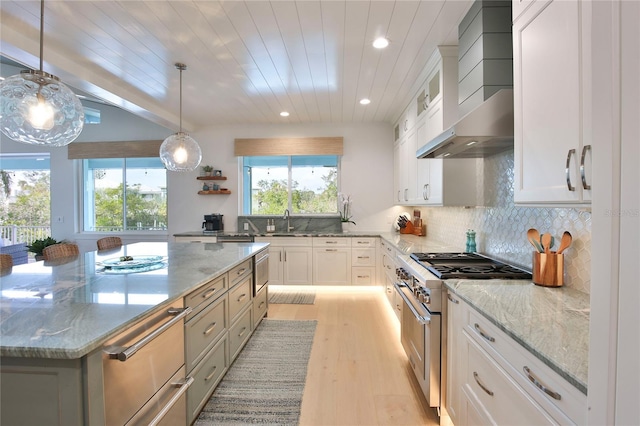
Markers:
(247, 60)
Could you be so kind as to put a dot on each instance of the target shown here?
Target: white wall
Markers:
(366, 173)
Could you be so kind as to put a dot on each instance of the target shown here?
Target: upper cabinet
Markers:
(433, 109)
(551, 52)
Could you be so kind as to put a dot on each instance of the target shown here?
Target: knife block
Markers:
(407, 229)
(548, 269)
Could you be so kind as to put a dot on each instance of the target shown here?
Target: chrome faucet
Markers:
(286, 217)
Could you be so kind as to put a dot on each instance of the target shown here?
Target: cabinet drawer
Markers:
(331, 242)
(203, 330)
(207, 375)
(260, 305)
(523, 366)
(239, 272)
(239, 297)
(497, 393)
(362, 275)
(199, 299)
(363, 256)
(239, 333)
(363, 242)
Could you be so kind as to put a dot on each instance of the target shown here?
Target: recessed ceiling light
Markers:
(284, 114)
(365, 101)
(380, 43)
(472, 143)
(447, 154)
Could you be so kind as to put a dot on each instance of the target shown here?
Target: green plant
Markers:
(38, 245)
(207, 168)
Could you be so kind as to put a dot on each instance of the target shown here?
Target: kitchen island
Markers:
(55, 319)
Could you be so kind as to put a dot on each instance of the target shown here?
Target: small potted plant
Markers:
(207, 170)
(38, 246)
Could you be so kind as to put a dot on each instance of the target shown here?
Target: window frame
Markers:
(82, 190)
(245, 197)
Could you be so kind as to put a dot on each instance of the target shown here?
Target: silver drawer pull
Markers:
(209, 329)
(124, 354)
(483, 334)
(261, 305)
(363, 276)
(534, 380)
(242, 296)
(363, 257)
(362, 242)
(183, 385)
(331, 242)
(475, 376)
(568, 168)
(242, 331)
(452, 299)
(213, 373)
(330, 249)
(241, 271)
(209, 293)
(585, 185)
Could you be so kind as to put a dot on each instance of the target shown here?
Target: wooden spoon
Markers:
(534, 238)
(545, 239)
(565, 241)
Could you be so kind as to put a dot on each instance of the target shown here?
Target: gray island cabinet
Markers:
(85, 344)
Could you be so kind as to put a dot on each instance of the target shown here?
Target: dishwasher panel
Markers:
(151, 358)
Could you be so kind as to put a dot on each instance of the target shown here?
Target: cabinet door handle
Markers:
(280, 256)
(482, 333)
(261, 305)
(213, 373)
(535, 381)
(568, 169)
(209, 293)
(452, 299)
(330, 249)
(242, 296)
(399, 199)
(241, 271)
(585, 185)
(210, 328)
(483, 387)
(363, 257)
(405, 194)
(425, 191)
(242, 331)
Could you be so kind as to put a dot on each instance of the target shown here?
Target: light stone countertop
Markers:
(66, 311)
(551, 323)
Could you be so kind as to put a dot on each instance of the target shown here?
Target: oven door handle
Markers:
(422, 319)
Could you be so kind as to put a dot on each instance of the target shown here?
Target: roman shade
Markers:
(289, 146)
(126, 149)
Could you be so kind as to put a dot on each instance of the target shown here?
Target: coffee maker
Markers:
(212, 222)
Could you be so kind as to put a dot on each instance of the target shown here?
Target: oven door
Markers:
(420, 336)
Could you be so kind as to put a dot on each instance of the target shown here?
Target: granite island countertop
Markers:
(551, 323)
(68, 310)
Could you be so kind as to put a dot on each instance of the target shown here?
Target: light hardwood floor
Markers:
(358, 373)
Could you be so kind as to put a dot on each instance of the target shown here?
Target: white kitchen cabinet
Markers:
(405, 173)
(290, 260)
(492, 379)
(455, 367)
(552, 78)
(363, 261)
(332, 261)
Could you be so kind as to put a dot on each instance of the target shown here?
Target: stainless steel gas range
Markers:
(419, 283)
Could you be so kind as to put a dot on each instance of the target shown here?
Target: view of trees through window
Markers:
(25, 207)
(302, 184)
(125, 195)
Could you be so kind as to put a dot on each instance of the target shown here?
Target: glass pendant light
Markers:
(180, 152)
(37, 108)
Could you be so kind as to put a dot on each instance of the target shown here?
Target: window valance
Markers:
(289, 146)
(126, 149)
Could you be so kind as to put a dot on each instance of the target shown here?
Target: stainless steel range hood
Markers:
(486, 130)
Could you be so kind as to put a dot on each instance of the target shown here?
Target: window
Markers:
(124, 194)
(304, 184)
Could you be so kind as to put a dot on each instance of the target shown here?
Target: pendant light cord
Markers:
(41, 33)
(181, 68)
